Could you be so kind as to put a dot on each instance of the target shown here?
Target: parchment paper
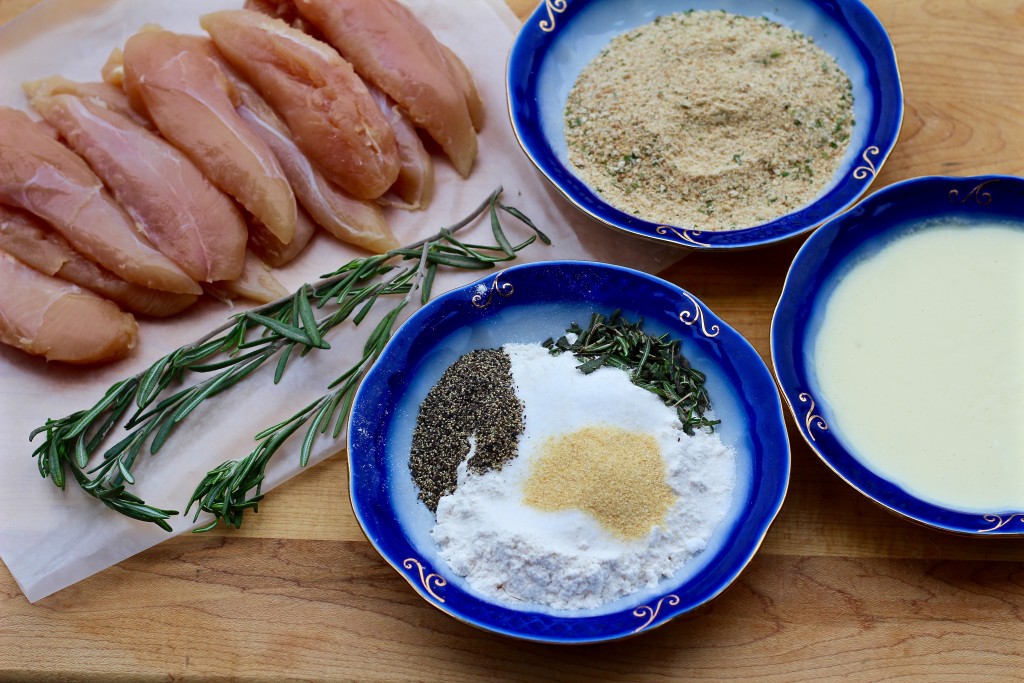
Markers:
(50, 539)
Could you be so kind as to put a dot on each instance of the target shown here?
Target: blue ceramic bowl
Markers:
(530, 303)
(562, 36)
(821, 261)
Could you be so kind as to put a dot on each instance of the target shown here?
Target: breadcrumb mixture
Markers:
(709, 120)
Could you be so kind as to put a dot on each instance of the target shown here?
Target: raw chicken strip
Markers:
(179, 86)
(256, 282)
(58, 320)
(104, 94)
(42, 176)
(187, 218)
(32, 242)
(270, 249)
(286, 12)
(112, 70)
(390, 48)
(351, 220)
(464, 79)
(414, 187)
(331, 115)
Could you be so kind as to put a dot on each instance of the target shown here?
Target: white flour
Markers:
(511, 552)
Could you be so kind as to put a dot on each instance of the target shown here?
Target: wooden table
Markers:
(840, 588)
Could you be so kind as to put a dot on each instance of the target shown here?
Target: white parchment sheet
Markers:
(50, 539)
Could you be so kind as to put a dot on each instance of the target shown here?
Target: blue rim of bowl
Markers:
(367, 457)
(889, 209)
(536, 37)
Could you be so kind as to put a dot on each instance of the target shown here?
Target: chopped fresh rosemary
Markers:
(228, 354)
(654, 363)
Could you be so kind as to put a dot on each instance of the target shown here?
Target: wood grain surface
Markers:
(840, 589)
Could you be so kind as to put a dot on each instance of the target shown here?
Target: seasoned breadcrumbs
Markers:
(709, 120)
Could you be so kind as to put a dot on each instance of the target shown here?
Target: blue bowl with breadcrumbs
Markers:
(528, 304)
(561, 37)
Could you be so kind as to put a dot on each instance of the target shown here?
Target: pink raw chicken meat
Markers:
(414, 187)
(390, 48)
(328, 109)
(256, 282)
(60, 321)
(104, 94)
(351, 220)
(28, 239)
(285, 11)
(176, 81)
(42, 176)
(185, 216)
(270, 249)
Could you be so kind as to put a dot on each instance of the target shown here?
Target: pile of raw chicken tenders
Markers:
(198, 163)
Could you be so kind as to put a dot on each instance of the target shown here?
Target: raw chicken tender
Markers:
(42, 176)
(414, 187)
(285, 11)
(390, 48)
(175, 80)
(328, 109)
(60, 321)
(28, 239)
(351, 220)
(270, 249)
(104, 94)
(186, 217)
(256, 282)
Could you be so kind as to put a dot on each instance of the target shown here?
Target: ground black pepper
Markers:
(475, 397)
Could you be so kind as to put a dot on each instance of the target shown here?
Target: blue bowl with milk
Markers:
(525, 305)
(898, 342)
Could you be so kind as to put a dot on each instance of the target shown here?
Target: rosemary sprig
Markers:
(228, 354)
(654, 363)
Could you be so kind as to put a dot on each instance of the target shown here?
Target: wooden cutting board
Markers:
(840, 588)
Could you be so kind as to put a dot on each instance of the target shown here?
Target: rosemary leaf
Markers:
(281, 363)
(125, 473)
(307, 443)
(149, 385)
(516, 213)
(499, 234)
(81, 454)
(371, 299)
(458, 261)
(309, 318)
(54, 466)
(428, 283)
(287, 331)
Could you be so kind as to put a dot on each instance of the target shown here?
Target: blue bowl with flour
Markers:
(528, 304)
(562, 36)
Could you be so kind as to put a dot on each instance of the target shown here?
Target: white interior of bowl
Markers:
(535, 323)
(578, 42)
